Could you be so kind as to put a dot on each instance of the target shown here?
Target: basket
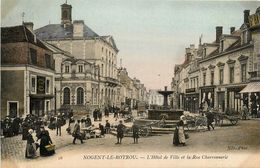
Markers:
(50, 147)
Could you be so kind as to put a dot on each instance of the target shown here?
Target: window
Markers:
(204, 79)
(47, 85)
(212, 78)
(12, 108)
(80, 96)
(231, 74)
(66, 96)
(48, 60)
(243, 72)
(33, 84)
(67, 68)
(221, 76)
(80, 68)
(33, 56)
(65, 14)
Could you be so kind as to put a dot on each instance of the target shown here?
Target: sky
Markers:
(151, 34)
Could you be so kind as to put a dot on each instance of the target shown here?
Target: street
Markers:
(240, 139)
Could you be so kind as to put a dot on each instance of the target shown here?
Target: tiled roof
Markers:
(19, 34)
(57, 31)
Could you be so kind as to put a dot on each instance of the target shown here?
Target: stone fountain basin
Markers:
(154, 114)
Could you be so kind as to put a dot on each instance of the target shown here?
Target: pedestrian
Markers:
(99, 115)
(58, 124)
(107, 127)
(244, 112)
(16, 125)
(95, 114)
(25, 129)
(7, 130)
(71, 125)
(45, 119)
(30, 151)
(102, 130)
(181, 133)
(135, 129)
(88, 121)
(46, 145)
(76, 133)
(70, 114)
(120, 132)
(210, 119)
(176, 135)
(52, 123)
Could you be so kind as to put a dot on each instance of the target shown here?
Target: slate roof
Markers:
(57, 31)
(19, 34)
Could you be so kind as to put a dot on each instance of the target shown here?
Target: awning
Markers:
(251, 87)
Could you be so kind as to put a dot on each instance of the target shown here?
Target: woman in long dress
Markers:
(179, 136)
(30, 151)
(45, 140)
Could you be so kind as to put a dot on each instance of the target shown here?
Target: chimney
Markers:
(29, 25)
(246, 15)
(78, 28)
(232, 29)
(218, 33)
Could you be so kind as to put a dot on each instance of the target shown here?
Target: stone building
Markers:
(221, 70)
(27, 73)
(91, 51)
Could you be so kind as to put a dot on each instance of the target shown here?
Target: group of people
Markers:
(46, 146)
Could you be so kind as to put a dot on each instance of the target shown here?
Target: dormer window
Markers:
(204, 52)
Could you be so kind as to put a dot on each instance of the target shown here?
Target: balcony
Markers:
(111, 82)
(254, 75)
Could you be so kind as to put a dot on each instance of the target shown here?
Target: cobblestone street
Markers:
(242, 138)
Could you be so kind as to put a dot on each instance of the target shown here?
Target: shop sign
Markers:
(190, 90)
(40, 85)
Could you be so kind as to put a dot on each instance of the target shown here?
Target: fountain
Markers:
(156, 114)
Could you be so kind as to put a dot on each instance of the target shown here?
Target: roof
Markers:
(20, 34)
(57, 31)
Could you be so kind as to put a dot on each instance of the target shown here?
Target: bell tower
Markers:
(66, 11)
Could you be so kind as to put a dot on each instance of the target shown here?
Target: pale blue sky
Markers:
(151, 34)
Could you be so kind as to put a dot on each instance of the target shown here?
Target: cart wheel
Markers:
(145, 132)
(234, 122)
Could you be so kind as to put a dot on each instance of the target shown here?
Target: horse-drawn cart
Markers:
(220, 117)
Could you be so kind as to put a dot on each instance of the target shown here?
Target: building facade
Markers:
(27, 73)
(219, 71)
(95, 59)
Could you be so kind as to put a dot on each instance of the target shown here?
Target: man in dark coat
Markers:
(95, 114)
(107, 127)
(16, 125)
(101, 128)
(210, 119)
(45, 140)
(88, 121)
(135, 129)
(120, 132)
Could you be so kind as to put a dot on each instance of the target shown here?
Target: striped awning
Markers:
(251, 87)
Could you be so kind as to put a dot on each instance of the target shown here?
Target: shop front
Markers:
(191, 100)
(235, 99)
(207, 96)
